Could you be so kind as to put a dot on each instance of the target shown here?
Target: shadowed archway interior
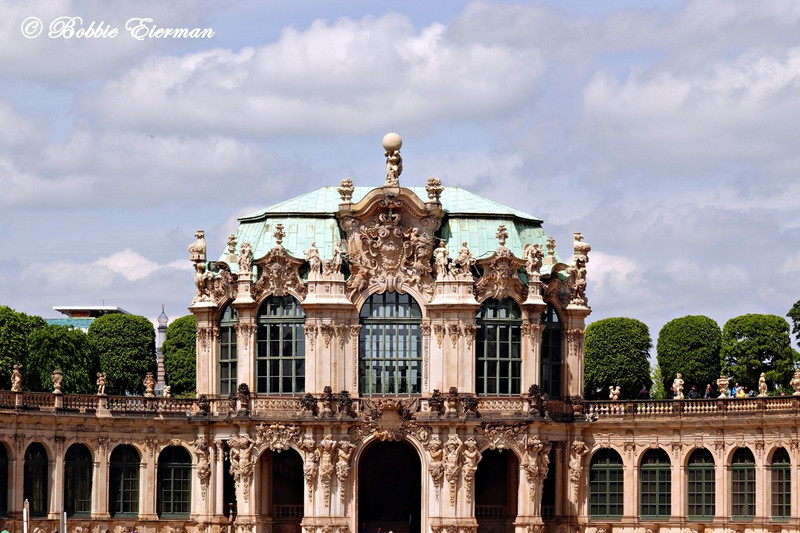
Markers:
(389, 488)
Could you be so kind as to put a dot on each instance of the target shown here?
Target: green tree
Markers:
(14, 330)
(689, 345)
(180, 358)
(752, 344)
(617, 351)
(794, 316)
(657, 392)
(64, 348)
(125, 346)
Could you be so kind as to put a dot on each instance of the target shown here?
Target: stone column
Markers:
(722, 484)
(148, 481)
(100, 480)
(56, 469)
(205, 347)
(16, 465)
(678, 485)
(572, 369)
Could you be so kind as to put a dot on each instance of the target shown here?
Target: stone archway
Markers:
(281, 490)
(496, 486)
(390, 488)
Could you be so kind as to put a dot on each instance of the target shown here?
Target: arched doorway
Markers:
(496, 485)
(281, 490)
(390, 488)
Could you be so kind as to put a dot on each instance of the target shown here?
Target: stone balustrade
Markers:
(280, 406)
(691, 408)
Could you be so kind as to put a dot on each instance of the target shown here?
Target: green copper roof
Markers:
(311, 218)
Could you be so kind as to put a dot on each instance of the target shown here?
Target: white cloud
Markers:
(346, 76)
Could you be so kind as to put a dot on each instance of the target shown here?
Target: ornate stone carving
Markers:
(393, 255)
(722, 386)
(762, 385)
(578, 270)
(345, 190)
(532, 253)
(613, 392)
(327, 333)
(197, 250)
(246, 331)
(313, 258)
(434, 189)
(452, 449)
(578, 450)
(464, 261)
(279, 274)
(203, 280)
(501, 436)
(245, 258)
(57, 379)
(310, 462)
(343, 453)
(500, 274)
(441, 260)
(16, 379)
(327, 468)
(203, 464)
(795, 383)
(470, 459)
(438, 330)
(277, 437)
(469, 334)
(455, 331)
(394, 163)
(574, 338)
(151, 443)
(101, 383)
(535, 463)
(149, 385)
(241, 454)
(436, 464)
(677, 386)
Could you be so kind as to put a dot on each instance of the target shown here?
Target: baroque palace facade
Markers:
(403, 358)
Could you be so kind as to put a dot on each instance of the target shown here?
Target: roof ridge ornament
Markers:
(345, 190)
(394, 163)
(278, 234)
(434, 189)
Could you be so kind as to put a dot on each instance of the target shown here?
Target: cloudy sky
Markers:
(666, 131)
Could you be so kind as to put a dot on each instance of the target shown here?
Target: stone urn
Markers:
(722, 385)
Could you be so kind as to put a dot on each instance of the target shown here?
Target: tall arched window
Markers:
(606, 484)
(655, 484)
(551, 352)
(35, 479)
(781, 478)
(743, 484)
(390, 345)
(123, 486)
(227, 351)
(3, 480)
(498, 348)
(700, 490)
(281, 347)
(78, 467)
(174, 482)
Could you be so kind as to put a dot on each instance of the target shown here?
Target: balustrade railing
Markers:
(689, 408)
(281, 406)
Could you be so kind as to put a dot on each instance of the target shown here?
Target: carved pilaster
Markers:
(241, 454)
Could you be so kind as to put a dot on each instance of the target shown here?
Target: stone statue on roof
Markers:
(197, 250)
(314, 261)
(394, 163)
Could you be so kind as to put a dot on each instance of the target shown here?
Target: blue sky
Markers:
(665, 132)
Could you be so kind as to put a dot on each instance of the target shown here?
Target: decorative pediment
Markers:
(501, 274)
(279, 275)
(390, 242)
